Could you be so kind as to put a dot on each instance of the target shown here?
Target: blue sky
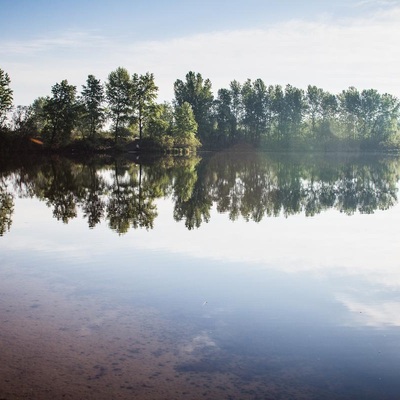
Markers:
(330, 44)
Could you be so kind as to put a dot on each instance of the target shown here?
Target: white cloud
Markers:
(53, 42)
(332, 54)
(377, 315)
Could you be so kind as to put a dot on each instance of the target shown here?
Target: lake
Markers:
(234, 275)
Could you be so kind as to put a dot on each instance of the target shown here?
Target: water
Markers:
(226, 276)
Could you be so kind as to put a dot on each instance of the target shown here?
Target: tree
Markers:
(119, 97)
(38, 114)
(278, 110)
(197, 92)
(23, 120)
(226, 120)
(6, 96)
(61, 112)
(236, 98)
(144, 92)
(160, 122)
(314, 98)
(255, 104)
(350, 108)
(185, 126)
(92, 98)
(294, 108)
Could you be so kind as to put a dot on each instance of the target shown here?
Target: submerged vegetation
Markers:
(123, 114)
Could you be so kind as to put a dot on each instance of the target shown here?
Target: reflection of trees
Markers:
(60, 188)
(249, 185)
(193, 200)
(6, 210)
(131, 202)
(93, 204)
(255, 185)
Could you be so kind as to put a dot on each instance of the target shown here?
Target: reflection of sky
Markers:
(336, 257)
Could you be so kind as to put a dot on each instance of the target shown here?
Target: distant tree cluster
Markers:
(267, 116)
(276, 114)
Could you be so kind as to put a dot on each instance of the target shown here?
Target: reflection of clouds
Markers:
(384, 314)
(199, 344)
(331, 243)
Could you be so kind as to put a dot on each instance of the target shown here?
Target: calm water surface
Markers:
(227, 276)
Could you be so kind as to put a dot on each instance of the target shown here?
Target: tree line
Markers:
(125, 107)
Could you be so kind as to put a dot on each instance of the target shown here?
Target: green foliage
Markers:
(93, 112)
(61, 113)
(273, 117)
(6, 96)
(185, 128)
(23, 121)
(197, 92)
(160, 121)
(119, 97)
(225, 116)
(255, 103)
(144, 93)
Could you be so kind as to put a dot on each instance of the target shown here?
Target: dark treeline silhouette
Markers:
(123, 112)
(253, 186)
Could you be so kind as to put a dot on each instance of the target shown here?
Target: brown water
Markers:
(55, 347)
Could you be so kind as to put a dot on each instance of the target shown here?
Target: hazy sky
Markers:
(333, 45)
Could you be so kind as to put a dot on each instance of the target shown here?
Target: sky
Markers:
(332, 45)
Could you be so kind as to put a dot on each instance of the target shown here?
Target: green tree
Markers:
(61, 112)
(314, 98)
(350, 110)
(159, 124)
(185, 127)
(255, 105)
(226, 120)
(92, 99)
(6, 96)
(144, 92)
(236, 100)
(38, 114)
(22, 120)
(119, 97)
(295, 108)
(197, 92)
(277, 106)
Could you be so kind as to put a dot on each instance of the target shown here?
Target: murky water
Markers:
(232, 276)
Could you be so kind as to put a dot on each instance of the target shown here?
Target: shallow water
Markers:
(230, 277)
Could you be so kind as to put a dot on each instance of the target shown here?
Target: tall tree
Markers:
(314, 97)
(226, 120)
(350, 109)
(144, 92)
(255, 102)
(237, 103)
(119, 97)
(92, 98)
(61, 112)
(295, 108)
(185, 126)
(197, 92)
(6, 96)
